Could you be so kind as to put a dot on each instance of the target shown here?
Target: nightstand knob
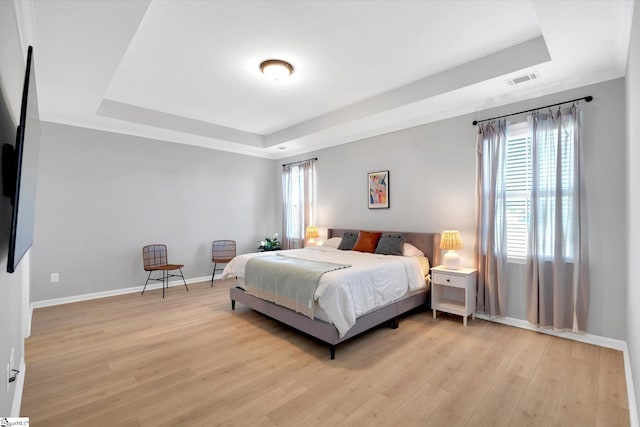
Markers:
(448, 280)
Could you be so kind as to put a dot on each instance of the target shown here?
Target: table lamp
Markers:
(311, 234)
(451, 242)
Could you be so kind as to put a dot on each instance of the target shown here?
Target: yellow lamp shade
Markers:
(450, 240)
(312, 232)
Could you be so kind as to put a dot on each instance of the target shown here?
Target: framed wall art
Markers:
(378, 188)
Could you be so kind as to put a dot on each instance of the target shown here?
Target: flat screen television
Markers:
(20, 170)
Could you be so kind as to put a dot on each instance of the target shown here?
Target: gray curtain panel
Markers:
(557, 252)
(298, 202)
(491, 231)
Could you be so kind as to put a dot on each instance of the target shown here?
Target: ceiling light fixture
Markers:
(276, 69)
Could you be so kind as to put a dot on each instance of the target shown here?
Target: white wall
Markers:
(633, 205)
(432, 188)
(102, 196)
(12, 68)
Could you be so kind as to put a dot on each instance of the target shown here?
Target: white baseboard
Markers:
(121, 291)
(17, 392)
(631, 394)
(585, 338)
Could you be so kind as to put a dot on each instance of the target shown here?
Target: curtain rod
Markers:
(293, 163)
(586, 98)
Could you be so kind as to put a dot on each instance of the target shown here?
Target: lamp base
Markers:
(451, 260)
(311, 242)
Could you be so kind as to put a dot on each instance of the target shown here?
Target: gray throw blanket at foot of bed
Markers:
(290, 282)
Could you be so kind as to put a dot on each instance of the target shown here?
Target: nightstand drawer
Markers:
(449, 280)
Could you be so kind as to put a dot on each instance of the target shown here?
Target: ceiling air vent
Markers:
(523, 79)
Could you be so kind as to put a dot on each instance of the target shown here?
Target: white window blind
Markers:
(295, 222)
(518, 190)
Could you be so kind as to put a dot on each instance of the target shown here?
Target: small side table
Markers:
(454, 291)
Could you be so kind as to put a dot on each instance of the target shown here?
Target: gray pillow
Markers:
(348, 240)
(391, 243)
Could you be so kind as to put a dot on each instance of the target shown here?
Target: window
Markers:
(520, 173)
(294, 225)
(298, 201)
(518, 190)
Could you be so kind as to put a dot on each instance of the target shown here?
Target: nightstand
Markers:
(454, 291)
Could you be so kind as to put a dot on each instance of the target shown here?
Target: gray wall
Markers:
(432, 184)
(633, 212)
(102, 196)
(12, 308)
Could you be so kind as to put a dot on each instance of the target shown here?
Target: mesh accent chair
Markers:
(222, 251)
(155, 259)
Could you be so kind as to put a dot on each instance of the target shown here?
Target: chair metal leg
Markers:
(165, 277)
(213, 274)
(145, 284)
(184, 281)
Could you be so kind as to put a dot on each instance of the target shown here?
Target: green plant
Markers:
(270, 243)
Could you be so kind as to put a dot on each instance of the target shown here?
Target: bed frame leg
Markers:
(395, 323)
(332, 350)
(233, 304)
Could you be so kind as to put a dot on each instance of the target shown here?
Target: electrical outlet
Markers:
(55, 277)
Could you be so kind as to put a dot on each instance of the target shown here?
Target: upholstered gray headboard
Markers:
(429, 243)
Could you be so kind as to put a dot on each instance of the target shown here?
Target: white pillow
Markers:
(409, 250)
(333, 242)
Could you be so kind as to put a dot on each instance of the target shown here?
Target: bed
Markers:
(323, 326)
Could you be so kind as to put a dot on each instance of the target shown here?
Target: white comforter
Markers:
(372, 281)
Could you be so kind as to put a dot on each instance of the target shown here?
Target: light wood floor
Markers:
(136, 360)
